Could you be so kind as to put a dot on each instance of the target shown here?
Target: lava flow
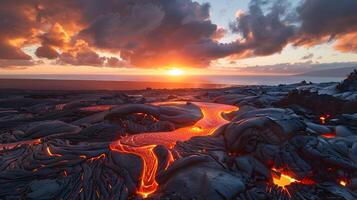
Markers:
(144, 144)
(16, 144)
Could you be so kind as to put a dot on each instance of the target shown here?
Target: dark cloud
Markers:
(46, 52)
(151, 33)
(88, 57)
(307, 57)
(323, 20)
(15, 23)
(8, 51)
(264, 34)
(83, 57)
(156, 33)
(11, 63)
(115, 62)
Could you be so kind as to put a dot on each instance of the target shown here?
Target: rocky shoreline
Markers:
(294, 141)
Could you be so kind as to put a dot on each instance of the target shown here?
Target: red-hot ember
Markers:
(16, 144)
(324, 118)
(144, 144)
(329, 135)
(283, 179)
(343, 183)
(50, 152)
(98, 157)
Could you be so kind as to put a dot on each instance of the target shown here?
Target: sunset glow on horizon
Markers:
(175, 72)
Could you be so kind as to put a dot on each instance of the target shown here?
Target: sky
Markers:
(154, 36)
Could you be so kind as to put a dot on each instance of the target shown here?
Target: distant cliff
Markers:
(337, 72)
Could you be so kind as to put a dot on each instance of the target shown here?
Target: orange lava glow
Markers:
(144, 144)
(50, 153)
(16, 144)
(329, 135)
(97, 108)
(343, 183)
(98, 157)
(283, 180)
(323, 118)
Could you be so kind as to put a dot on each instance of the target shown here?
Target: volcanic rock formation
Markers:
(252, 142)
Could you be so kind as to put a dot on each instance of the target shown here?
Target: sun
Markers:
(175, 72)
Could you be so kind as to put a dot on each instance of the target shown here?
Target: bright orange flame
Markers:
(343, 183)
(144, 144)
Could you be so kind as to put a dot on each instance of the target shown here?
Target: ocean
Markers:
(219, 79)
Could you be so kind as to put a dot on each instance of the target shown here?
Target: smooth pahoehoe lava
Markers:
(144, 144)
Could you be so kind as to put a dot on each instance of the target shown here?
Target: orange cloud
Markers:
(347, 43)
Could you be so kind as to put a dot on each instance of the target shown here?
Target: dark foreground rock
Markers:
(285, 142)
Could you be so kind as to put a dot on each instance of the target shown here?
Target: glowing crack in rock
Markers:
(329, 135)
(343, 183)
(284, 179)
(144, 144)
(16, 144)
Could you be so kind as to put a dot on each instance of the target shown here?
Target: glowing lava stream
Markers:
(16, 144)
(144, 144)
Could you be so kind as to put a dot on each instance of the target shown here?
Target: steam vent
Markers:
(282, 142)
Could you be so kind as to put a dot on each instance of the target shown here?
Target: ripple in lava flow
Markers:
(143, 144)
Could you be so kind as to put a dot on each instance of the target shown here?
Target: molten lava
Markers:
(97, 108)
(324, 118)
(329, 135)
(144, 144)
(50, 152)
(16, 144)
(343, 183)
(284, 180)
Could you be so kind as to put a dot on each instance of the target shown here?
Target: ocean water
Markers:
(221, 79)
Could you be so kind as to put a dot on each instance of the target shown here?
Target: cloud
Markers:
(264, 34)
(8, 51)
(46, 52)
(347, 43)
(11, 63)
(307, 57)
(15, 27)
(323, 20)
(150, 33)
(293, 68)
(83, 57)
(167, 32)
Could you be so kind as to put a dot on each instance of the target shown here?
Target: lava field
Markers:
(252, 143)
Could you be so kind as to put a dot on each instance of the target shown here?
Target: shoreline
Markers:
(90, 85)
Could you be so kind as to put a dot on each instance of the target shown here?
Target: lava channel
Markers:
(143, 144)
